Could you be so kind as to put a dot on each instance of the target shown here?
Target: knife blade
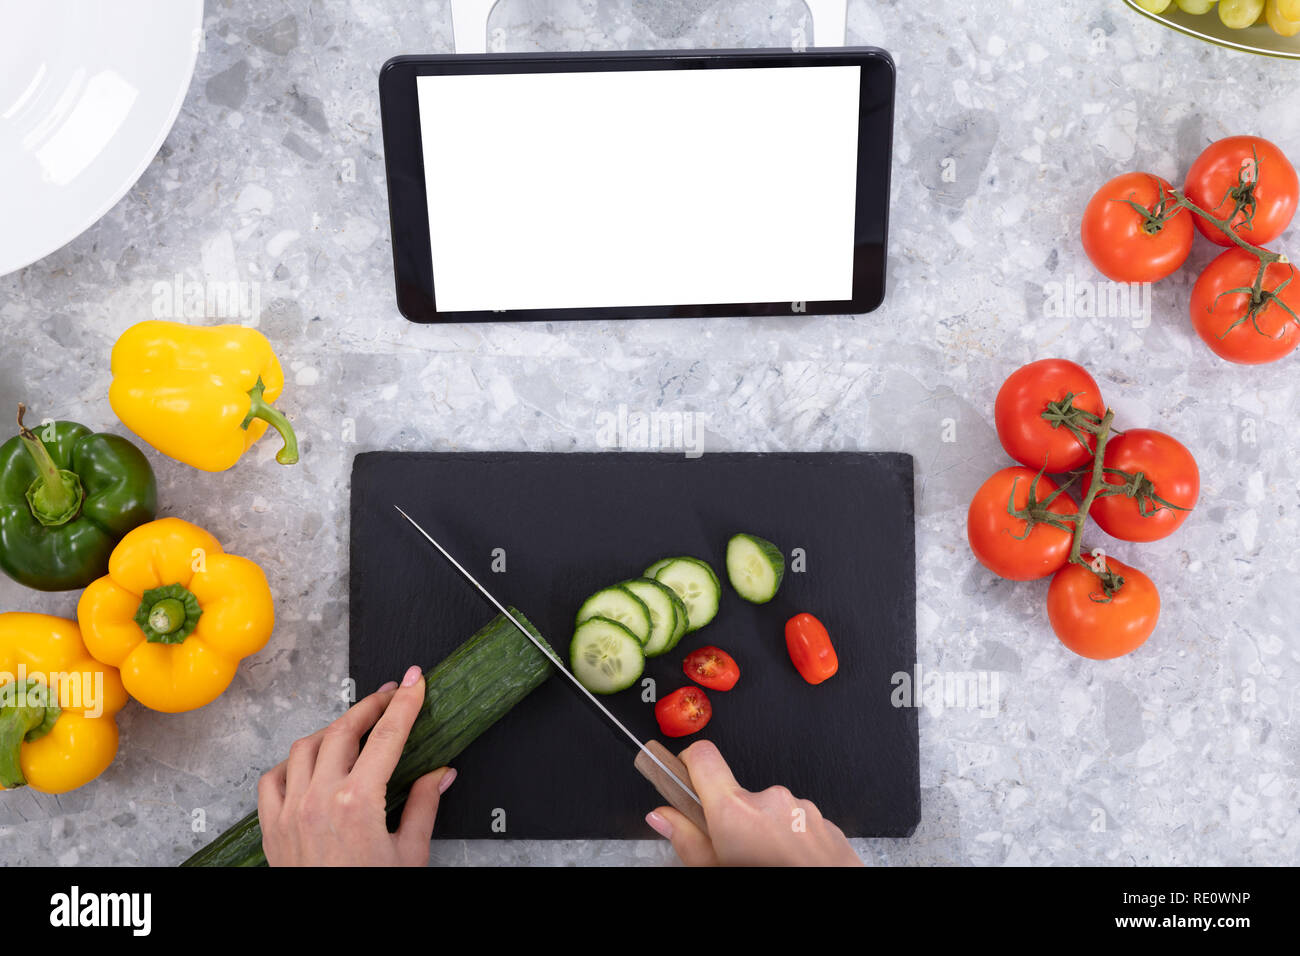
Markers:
(654, 761)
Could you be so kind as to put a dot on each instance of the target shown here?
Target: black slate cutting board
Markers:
(569, 524)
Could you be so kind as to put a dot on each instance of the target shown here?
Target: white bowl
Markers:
(88, 92)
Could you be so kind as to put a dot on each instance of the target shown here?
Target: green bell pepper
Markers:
(67, 496)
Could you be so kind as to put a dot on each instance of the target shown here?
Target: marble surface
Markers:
(1185, 752)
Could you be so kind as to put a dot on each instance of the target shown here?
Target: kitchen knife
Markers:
(665, 772)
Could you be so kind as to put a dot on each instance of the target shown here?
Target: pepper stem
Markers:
(26, 714)
(55, 496)
(260, 408)
(168, 614)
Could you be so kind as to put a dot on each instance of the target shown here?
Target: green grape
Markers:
(1195, 6)
(1239, 14)
(1154, 6)
(1281, 25)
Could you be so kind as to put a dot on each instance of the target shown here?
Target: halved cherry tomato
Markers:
(713, 667)
(1116, 237)
(1018, 413)
(1218, 170)
(683, 712)
(999, 540)
(810, 648)
(1172, 473)
(1093, 627)
(1215, 309)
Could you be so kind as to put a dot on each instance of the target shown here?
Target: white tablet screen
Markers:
(640, 187)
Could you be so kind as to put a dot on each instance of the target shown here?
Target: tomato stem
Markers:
(1037, 512)
(1109, 580)
(1137, 486)
(1065, 414)
(1243, 197)
(1154, 218)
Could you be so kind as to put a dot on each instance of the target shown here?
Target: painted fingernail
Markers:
(391, 685)
(447, 780)
(412, 675)
(660, 825)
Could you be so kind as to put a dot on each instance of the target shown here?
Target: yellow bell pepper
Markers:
(199, 394)
(176, 614)
(58, 705)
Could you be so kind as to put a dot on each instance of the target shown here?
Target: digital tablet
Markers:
(638, 184)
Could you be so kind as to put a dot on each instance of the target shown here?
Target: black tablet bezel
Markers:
(408, 205)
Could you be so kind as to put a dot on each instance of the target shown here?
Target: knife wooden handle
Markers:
(667, 787)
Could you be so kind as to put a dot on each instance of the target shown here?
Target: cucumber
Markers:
(651, 571)
(620, 604)
(605, 656)
(683, 624)
(474, 687)
(667, 613)
(755, 567)
(697, 586)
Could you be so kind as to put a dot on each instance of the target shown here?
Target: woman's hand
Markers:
(770, 828)
(324, 806)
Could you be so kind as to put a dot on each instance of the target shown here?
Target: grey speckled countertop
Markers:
(1184, 752)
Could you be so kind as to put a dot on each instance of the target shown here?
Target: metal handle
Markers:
(469, 21)
(668, 789)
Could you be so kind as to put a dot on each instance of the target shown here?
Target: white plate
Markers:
(88, 92)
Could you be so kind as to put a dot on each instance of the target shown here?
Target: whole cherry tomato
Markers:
(1215, 310)
(712, 667)
(1169, 472)
(1253, 170)
(1126, 245)
(1018, 414)
(1092, 626)
(999, 541)
(683, 712)
(810, 648)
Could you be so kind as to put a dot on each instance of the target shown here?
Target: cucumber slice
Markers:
(697, 586)
(619, 604)
(683, 623)
(667, 613)
(605, 656)
(755, 567)
(651, 571)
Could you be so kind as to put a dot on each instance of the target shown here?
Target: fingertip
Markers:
(421, 810)
(704, 757)
(446, 780)
(701, 750)
(703, 745)
(690, 844)
(433, 784)
(412, 675)
(660, 823)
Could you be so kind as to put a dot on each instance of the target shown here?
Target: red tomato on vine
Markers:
(1129, 245)
(1166, 491)
(998, 539)
(1236, 324)
(1249, 179)
(1093, 625)
(1018, 414)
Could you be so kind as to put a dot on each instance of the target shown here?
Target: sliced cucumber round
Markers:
(683, 623)
(667, 613)
(619, 604)
(697, 586)
(605, 656)
(651, 571)
(755, 567)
